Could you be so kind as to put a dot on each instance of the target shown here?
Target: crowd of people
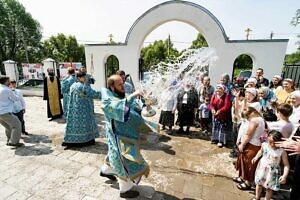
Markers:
(255, 118)
(260, 120)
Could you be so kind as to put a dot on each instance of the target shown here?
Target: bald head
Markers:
(115, 83)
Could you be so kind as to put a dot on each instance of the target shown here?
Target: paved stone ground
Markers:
(182, 167)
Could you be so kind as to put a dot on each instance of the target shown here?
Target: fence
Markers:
(292, 71)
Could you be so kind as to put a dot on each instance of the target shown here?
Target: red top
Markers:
(222, 104)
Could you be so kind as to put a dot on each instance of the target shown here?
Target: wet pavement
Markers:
(182, 166)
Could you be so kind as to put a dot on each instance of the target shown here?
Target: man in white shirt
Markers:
(19, 106)
(10, 122)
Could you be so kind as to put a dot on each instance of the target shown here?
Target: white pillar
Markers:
(49, 63)
(11, 70)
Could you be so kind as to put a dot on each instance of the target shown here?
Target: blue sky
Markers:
(91, 21)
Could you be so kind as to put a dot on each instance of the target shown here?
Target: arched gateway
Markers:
(268, 54)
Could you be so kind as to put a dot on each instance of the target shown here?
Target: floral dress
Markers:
(268, 169)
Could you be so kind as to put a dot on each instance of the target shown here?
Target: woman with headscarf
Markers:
(251, 100)
(220, 106)
(187, 104)
(251, 83)
(268, 103)
(225, 80)
(276, 83)
(293, 144)
(295, 102)
(168, 102)
(282, 95)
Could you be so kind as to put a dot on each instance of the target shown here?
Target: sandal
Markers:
(238, 180)
(243, 186)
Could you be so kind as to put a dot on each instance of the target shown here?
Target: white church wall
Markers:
(268, 54)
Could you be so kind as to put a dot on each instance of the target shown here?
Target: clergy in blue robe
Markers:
(81, 128)
(65, 88)
(125, 130)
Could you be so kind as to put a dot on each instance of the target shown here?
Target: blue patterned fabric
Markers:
(90, 80)
(124, 129)
(65, 88)
(81, 123)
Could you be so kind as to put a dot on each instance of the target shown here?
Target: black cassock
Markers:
(186, 113)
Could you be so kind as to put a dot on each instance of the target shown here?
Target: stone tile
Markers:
(86, 171)
(66, 154)
(60, 163)
(50, 181)
(89, 198)
(17, 178)
(73, 167)
(211, 193)
(9, 161)
(192, 189)
(78, 157)
(6, 190)
(110, 194)
(3, 168)
(244, 195)
(206, 180)
(72, 195)
(35, 197)
(19, 195)
(225, 185)
(36, 176)
(9, 173)
(176, 183)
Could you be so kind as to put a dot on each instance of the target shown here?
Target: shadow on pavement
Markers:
(36, 139)
(35, 145)
(193, 135)
(59, 120)
(35, 150)
(98, 148)
(146, 192)
(159, 145)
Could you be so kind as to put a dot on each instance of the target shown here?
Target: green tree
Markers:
(64, 49)
(20, 34)
(112, 65)
(296, 19)
(241, 63)
(158, 51)
(199, 42)
(294, 57)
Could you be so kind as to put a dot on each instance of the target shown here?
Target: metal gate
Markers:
(292, 71)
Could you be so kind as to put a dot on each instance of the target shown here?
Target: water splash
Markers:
(188, 67)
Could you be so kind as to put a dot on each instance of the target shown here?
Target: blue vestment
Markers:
(65, 88)
(125, 129)
(81, 122)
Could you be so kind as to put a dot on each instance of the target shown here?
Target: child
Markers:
(236, 113)
(283, 125)
(205, 114)
(267, 173)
